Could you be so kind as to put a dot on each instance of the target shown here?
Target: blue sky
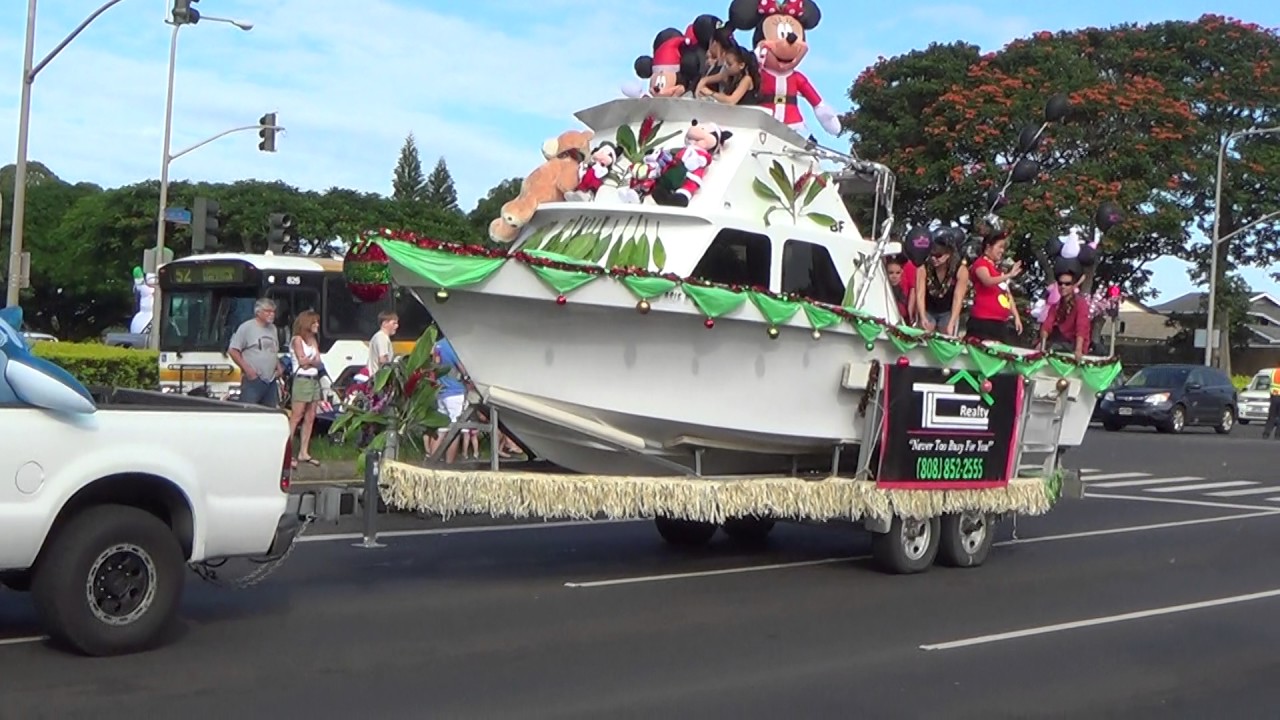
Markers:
(481, 83)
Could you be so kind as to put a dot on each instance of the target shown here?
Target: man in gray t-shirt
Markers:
(255, 347)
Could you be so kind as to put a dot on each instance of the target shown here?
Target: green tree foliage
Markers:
(85, 240)
(408, 182)
(1149, 105)
(490, 206)
(439, 191)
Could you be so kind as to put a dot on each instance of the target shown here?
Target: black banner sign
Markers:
(948, 431)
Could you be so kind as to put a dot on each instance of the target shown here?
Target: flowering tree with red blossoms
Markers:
(1149, 105)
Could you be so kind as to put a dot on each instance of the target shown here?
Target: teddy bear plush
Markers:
(547, 183)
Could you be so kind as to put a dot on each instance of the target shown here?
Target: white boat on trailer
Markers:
(730, 359)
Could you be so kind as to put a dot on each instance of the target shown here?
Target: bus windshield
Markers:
(196, 320)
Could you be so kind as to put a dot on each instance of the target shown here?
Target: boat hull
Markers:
(594, 385)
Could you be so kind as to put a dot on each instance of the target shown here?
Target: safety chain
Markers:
(209, 572)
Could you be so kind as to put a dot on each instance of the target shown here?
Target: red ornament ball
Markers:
(368, 271)
(903, 361)
(561, 300)
(986, 386)
(709, 323)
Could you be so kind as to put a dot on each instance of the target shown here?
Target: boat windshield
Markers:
(198, 320)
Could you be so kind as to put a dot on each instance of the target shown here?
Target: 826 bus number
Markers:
(950, 468)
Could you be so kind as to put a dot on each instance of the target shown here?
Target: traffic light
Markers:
(184, 14)
(280, 232)
(204, 225)
(267, 133)
(1113, 308)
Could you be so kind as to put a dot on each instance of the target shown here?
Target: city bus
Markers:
(204, 298)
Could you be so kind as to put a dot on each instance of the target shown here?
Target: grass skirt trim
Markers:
(447, 491)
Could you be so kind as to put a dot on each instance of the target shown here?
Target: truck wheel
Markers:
(753, 530)
(685, 533)
(110, 581)
(965, 539)
(909, 547)
(17, 581)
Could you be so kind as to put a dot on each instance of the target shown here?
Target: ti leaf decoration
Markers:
(659, 252)
(816, 186)
(825, 221)
(779, 175)
(626, 140)
(764, 192)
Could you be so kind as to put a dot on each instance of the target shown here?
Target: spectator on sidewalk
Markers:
(304, 350)
(450, 396)
(255, 348)
(381, 352)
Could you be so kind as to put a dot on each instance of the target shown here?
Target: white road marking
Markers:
(1202, 486)
(1242, 493)
(827, 561)
(1104, 620)
(23, 640)
(1148, 481)
(1180, 501)
(1115, 476)
(463, 530)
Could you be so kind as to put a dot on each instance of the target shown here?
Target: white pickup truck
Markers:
(107, 496)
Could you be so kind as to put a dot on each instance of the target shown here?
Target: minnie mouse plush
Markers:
(674, 68)
(779, 41)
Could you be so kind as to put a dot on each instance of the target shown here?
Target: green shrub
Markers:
(1241, 381)
(98, 364)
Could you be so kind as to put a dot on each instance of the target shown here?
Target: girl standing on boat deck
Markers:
(894, 273)
(993, 305)
(736, 81)
(941, 285)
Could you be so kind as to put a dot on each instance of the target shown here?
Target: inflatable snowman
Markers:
(144, 287)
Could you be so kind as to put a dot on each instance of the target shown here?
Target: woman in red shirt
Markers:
(1067, 327)
(993, 304)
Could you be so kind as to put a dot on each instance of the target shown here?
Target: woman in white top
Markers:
(304, 350)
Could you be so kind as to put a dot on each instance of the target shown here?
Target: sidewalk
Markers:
(330, 472)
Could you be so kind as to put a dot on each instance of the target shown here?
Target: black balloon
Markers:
(1057, 108)
(1088, 256)
(955, 237)
(1071, 265)
(1029, 139)
(996, 199)
(1026, 170)
(917, 244)
(1053, 247)
(1108, 216)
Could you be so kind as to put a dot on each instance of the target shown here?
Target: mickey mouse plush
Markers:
(675, 66)
(779, 41)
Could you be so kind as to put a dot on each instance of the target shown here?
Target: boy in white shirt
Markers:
(380, 350)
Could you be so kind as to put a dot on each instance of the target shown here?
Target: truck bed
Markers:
(113, 398)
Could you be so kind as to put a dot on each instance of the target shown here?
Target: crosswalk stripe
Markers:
(1148, 481)
(1246, 491)
(1116, 476)
(1202, 486)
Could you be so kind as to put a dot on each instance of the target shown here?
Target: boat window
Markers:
(414, 316)
(736, 258)
(807, 269)
(344, 316)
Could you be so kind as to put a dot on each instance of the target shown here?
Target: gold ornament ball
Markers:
(773, 333)
(642, 307)
(442, 295)
(1063, 384)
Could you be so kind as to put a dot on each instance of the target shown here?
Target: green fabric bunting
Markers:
(714, 301)
(562, 281)
(648, 288)
(558, 258)
(1028, 367)
(944, 350)
(1061, 365)
(1099, 377)
(987, 362)
(868, 329)
(774, 310)
(904, 337)
(820, 318)
(442, 268)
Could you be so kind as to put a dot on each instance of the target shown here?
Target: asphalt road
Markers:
(567, 621)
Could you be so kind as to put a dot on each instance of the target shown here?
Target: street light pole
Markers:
(29, 73)
(1217, 239)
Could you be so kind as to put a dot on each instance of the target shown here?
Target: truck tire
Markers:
(110, 581)
(909, 547)
(965, 539)
(749, 530)
(17, 581)
(685, 533)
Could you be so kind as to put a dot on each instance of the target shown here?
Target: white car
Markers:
(115, 492)
(1255, 398)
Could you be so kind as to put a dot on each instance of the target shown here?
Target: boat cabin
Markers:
(756, 205)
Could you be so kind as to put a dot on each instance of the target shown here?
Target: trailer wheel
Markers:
(751, 530)
(909, 547)
(965, 539)
(110, 581)
(685, 533)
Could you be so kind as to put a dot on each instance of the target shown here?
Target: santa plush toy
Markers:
(603, 159)
(683, 176)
